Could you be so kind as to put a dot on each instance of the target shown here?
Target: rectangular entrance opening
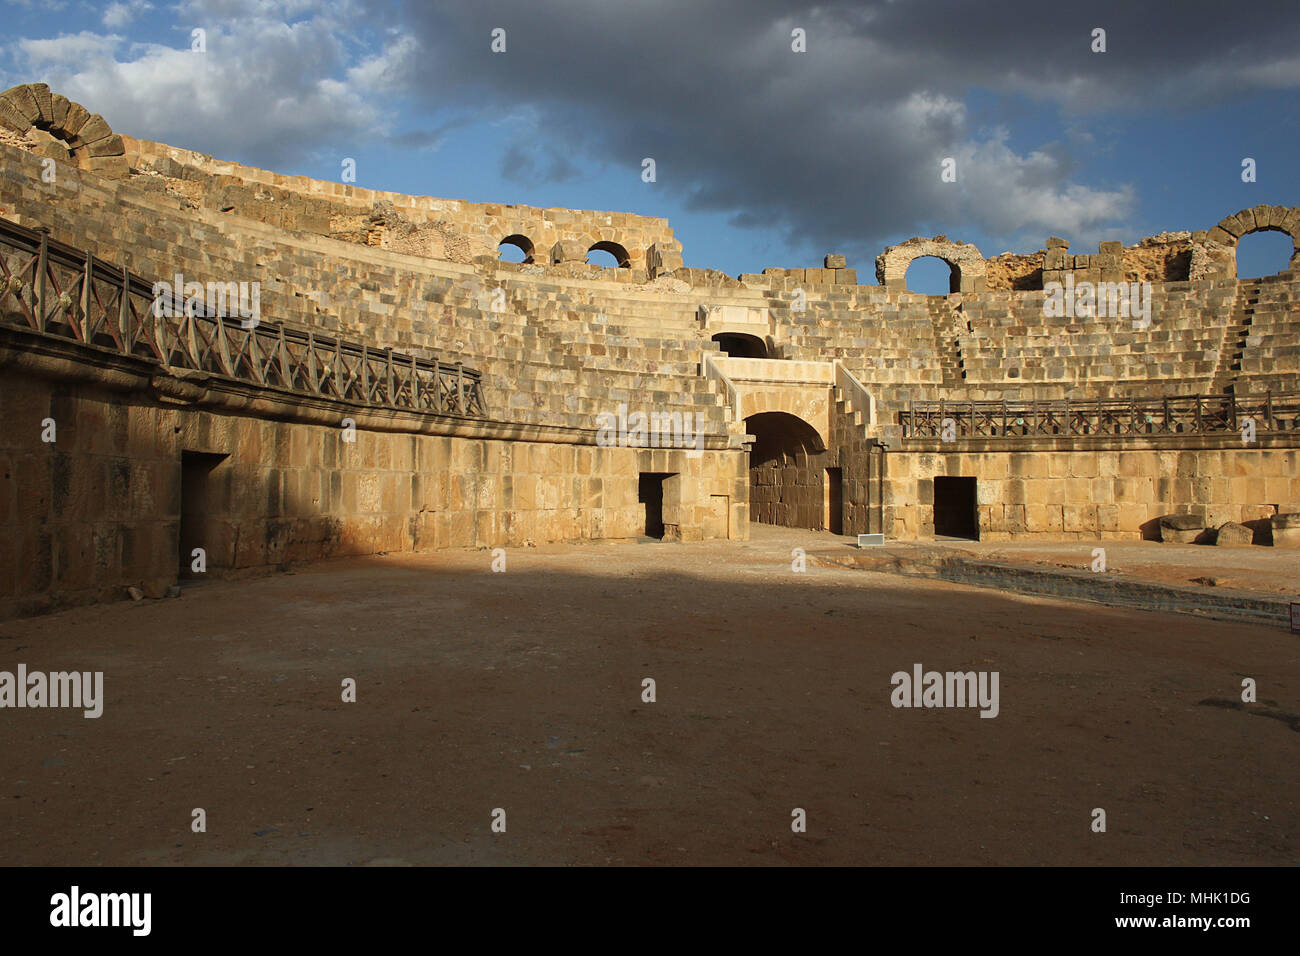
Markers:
(956, 514)
(650, 493)
(834, 501)
(196, 466)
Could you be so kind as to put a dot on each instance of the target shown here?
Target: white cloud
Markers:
(120, 14)
(266, 90)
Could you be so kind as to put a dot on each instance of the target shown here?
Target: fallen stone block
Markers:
(1286, 531)
(1181, 528)
(835, 261)
(1233, 535)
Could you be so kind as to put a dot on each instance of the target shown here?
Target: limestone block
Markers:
(1286, 531)
(833, 261)
(1056, 242)
(59, 105)
(1181, 528)
(846, 276)
(24, 101)
(1233, 535)
(76, 119)
(1111, 248)
(662, 259)
(12, 118)
(110, 167)
(111, 146)
(95, 129)
(41, 93)
(568, 250)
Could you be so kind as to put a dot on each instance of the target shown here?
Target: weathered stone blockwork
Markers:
(1099, 492)
(560, 342)
(99, 509)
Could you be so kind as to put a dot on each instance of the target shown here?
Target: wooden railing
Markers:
(1173, 415)
(54, 289)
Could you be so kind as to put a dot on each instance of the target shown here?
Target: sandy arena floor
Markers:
(523, 690)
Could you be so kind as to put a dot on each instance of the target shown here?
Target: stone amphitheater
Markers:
(403, 388)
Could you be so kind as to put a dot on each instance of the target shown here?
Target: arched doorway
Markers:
(787, 464)
(740, 345)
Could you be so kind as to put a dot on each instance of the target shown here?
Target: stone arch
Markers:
(62, 130)
(969, 270)
(1218, 255)
(617, 250)
(741, 344)
(520, 242)
(786, 471)
(810, 410)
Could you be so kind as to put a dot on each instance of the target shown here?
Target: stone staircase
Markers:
(1235, 337)
(1267, 352)
(949, 325)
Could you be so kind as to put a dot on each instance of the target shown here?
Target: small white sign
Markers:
(868, 540)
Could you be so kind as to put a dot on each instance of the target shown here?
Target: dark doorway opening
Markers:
(786, 472)
(196, 466)
(739, 345)
(651, 494)
(956, 514)
(834, 501)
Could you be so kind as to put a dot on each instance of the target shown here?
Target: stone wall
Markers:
(553, 351)
(448, 229)
(99, 508)
(1071, 490)
(560, 343)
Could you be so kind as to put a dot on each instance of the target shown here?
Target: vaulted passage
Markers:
(786, 469)
(740, 345)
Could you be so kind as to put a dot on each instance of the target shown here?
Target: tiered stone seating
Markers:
(1270, 356)
(544, 361)
(1013, 343)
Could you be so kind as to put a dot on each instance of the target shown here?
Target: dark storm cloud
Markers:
(842, 144)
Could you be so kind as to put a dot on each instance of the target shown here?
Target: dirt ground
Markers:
(522, 690)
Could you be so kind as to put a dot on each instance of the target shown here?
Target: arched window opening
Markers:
(930, 275)
(608, 254)
(515, 249)
(1264, 253)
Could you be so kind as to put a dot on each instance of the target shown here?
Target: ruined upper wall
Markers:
(558, 240)
(447, 229)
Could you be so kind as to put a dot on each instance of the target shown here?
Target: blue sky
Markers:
(764, 156)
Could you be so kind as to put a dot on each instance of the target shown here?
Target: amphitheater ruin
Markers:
(402, 387)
